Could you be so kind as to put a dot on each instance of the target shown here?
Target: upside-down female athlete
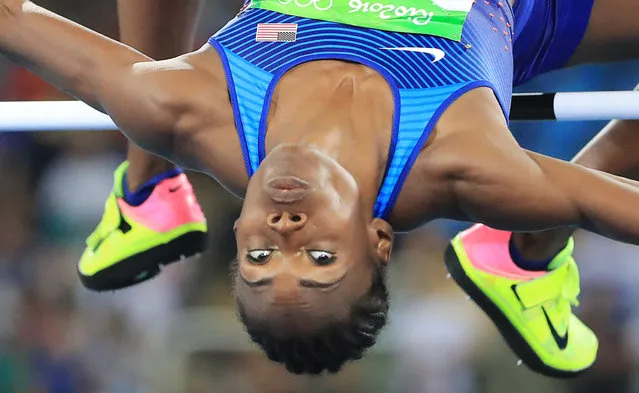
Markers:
(337, 122)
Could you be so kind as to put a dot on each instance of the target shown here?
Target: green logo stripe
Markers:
(442, 18)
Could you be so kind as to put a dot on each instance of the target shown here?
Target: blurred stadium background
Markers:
(178, 333)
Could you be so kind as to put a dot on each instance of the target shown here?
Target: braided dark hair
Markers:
(330, 346)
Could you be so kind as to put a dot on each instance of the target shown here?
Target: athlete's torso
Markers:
(425, 72)
(216, 156)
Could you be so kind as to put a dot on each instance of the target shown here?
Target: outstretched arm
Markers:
(495, 182)
(147, 100)
(524, 191)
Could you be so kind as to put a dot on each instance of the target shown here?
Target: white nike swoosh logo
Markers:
(438, 54)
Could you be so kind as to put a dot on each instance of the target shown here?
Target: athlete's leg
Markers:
(161, 29)
(481, 260)
(499, 183)
(606, 152)
(611, 35)
(506, 187)
(487, 263)
(145, 184)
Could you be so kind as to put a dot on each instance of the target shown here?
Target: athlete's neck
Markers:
(342, 109)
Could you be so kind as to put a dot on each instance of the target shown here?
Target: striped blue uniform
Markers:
(422, 89)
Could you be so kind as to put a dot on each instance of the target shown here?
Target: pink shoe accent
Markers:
(487, 249)
(171, 204)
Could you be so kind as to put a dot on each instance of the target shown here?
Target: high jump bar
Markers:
(23, 116)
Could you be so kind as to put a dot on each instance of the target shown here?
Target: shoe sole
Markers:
(512, 336)
(145, 265)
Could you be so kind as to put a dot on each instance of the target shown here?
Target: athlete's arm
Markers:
(531, 192)
(518, 190)
(147, 100)
(492, 180)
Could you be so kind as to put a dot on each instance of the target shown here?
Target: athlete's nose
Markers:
(286, 223)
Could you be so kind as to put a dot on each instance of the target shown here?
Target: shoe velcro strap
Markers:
(562, 282)
(109, 222)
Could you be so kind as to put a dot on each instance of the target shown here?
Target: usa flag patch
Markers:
(276, 32)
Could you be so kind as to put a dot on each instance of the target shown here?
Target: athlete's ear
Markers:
(381, 237)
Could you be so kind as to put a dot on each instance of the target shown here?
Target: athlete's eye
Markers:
(322, 258)
(259, 257)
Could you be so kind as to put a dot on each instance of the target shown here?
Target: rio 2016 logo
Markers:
(415, 15)
(418, 16)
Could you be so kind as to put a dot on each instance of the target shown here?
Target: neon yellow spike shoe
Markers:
(532, 310)
(132, 243)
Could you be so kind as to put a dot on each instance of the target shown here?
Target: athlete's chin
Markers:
(291, 162)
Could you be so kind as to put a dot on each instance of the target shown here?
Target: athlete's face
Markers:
(302, 230)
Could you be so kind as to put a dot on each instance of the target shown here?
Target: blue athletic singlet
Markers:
(423, 82)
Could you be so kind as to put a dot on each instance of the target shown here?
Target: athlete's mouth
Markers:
(287, 189)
